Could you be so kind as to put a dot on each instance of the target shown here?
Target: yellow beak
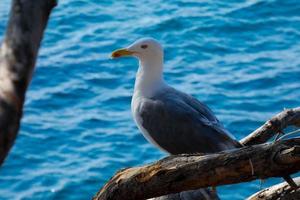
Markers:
(120, 53)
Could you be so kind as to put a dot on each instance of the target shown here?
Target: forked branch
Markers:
(288, 117)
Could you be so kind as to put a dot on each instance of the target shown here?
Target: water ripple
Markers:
(239, 57)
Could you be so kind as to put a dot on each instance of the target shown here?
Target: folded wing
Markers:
(179, 123)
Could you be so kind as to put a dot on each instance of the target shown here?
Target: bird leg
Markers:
(291, 182)
(262, 181)
(287, 178)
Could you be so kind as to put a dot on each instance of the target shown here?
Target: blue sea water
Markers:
(242, 58)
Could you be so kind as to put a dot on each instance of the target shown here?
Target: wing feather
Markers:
(180, 123)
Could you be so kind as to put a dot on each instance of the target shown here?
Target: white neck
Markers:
(149, 77)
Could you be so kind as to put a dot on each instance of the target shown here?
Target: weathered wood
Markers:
(280, 191)
(276, 124)
(187, 172)
(28, 19)
(288, 117)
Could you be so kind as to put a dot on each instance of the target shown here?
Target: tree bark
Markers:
(288, 117)
(18, 53)
(188, 172)
(275, 125)
(281, 191)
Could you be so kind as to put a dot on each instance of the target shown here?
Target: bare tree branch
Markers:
(288, 117)
(168, 175)
(187, 172)
(264, 133)
(28, 19)
(280, 191)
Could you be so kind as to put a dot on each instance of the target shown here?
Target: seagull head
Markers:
(149, 52)
(145, 49)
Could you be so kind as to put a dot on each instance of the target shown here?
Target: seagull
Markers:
(172, 120)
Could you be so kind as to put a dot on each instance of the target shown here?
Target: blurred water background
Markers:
(242, 58)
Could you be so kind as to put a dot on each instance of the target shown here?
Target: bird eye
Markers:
(144, 46)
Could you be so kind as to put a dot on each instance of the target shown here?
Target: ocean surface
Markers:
(242, 58)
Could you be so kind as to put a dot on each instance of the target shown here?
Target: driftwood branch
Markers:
(281, 191)
(28, 19)
(188, 172)
(288, 117)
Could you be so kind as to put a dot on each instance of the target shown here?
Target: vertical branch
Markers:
(18, 53)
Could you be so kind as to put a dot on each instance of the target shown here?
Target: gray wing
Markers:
(180, 123)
